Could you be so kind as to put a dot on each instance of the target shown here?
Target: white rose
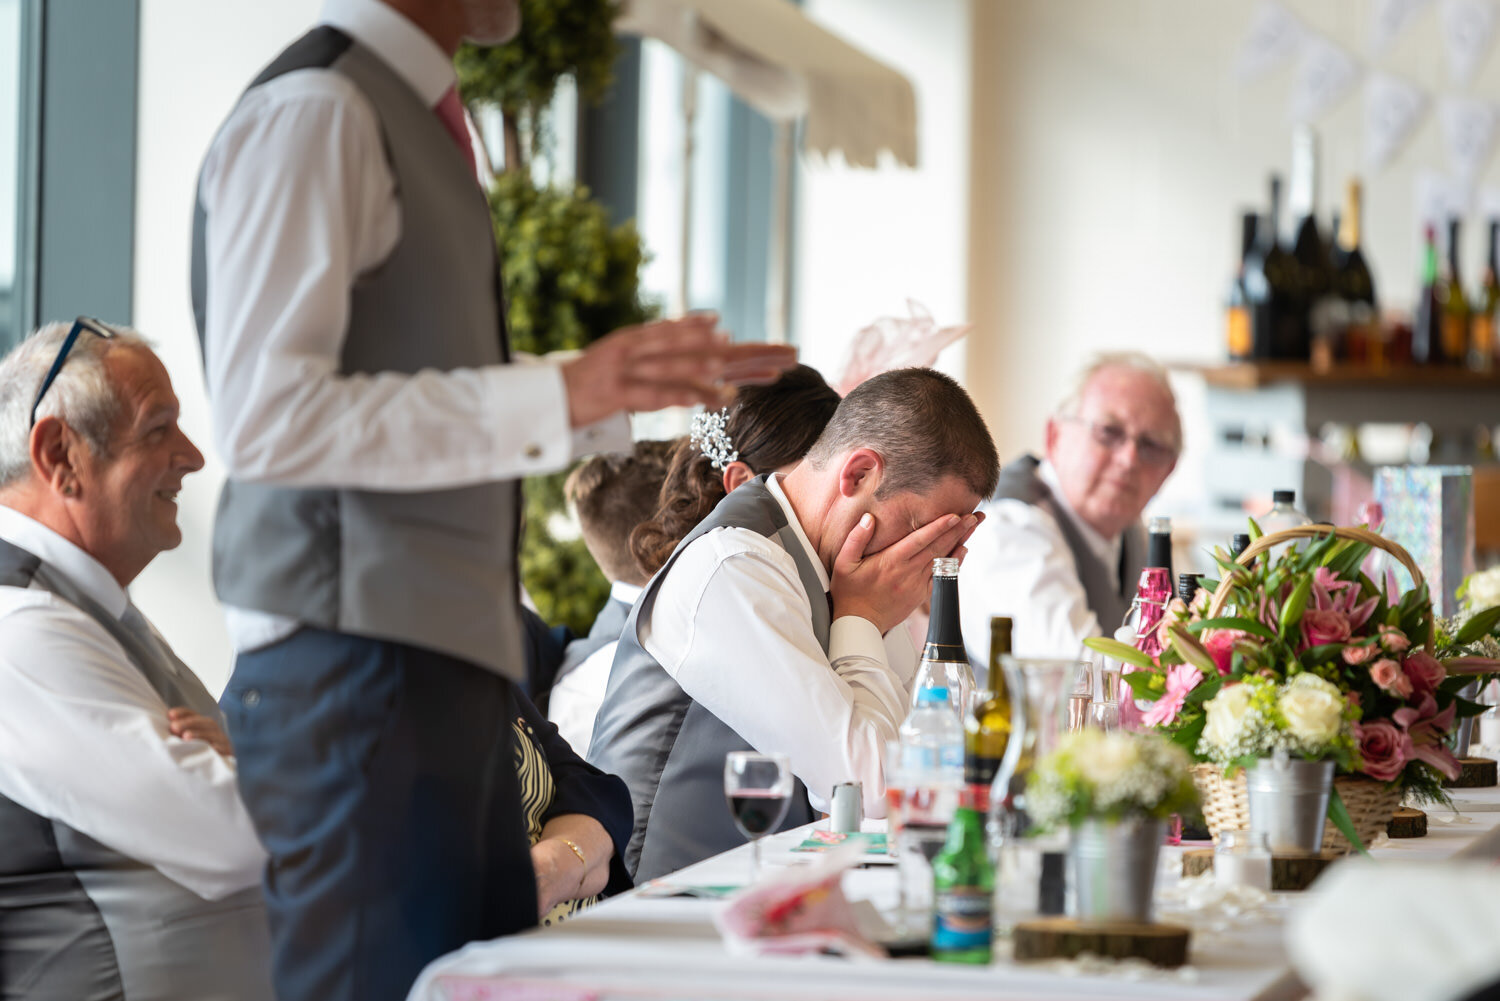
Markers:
(1483, 589)
(1109, 760)
(1225, 712)
(1313, 708)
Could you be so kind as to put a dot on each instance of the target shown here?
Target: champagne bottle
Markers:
(987, 730)
(1455, 305)
(1482, 345)
(944, 662)
(1426, 328)
(1354, 283)
(1238, 339)
(1313, 270)
(1268, 284)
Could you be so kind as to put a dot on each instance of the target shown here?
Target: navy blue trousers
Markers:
(380, 779)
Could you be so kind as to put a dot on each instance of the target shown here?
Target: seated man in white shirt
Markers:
(612, 494)
(1065, 544)
(775, 625)
(128, 865)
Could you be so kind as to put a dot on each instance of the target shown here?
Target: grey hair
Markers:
(1133, 361)
(81, 396)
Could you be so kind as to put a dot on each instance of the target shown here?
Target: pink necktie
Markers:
(450, 112)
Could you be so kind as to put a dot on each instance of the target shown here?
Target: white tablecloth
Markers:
(668, 948)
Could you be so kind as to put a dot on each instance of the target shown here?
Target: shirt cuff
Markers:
(853, 636)
(609, 435)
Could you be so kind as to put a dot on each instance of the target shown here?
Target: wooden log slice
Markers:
(1475, 773)
(1289, 873)
(1064, 938)
(1407, 823)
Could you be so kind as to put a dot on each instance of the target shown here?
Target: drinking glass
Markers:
(1105, 716)
(1243, 858)
(1081, 696)
(759, 790)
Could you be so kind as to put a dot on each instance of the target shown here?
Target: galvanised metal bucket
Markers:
(1114, 867)
(1288, 800)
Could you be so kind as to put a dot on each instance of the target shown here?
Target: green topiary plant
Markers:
(570, 277)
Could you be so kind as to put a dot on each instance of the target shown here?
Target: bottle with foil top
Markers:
(944, 662)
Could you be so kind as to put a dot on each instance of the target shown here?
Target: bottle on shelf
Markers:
(987, 729)
(963, 892)
(1313, 272)
(1354, 284)
(1455, 305)
(1239, 544)
(1427, 318)
(1159, 544)
(1237, 334)
(1274, 316)
(1482, 342)
(944, 662)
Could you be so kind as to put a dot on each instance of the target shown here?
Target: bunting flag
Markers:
(1393, 110)
(1325, 74)
(1469, 127)
(1468, 32)
(1275, 35)
(1388, 20)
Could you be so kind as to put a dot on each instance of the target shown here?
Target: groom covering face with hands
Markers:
(773, 626)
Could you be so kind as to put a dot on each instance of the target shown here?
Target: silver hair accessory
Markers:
(709, 431)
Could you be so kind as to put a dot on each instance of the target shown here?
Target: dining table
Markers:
(660, 942)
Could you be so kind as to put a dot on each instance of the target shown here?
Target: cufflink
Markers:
(533, 451)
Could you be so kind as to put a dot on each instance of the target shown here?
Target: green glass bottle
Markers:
(963, 892)
(987, 729)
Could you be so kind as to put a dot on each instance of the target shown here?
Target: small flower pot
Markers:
(1288, 801)
(1114, 867)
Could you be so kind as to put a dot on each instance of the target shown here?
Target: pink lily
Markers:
(1181, 679)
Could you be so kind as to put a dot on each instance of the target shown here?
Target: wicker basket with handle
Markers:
(1371, 804)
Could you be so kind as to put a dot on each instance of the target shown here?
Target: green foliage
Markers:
(558, 38)
(559, 574)
(570, 277)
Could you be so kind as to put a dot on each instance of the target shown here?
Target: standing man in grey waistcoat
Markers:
(776, 624)
(1065, 545)
(374, 430)
(128, 866)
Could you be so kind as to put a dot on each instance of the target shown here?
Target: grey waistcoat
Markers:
(80, 920)
(435, 569)
(668, 748)
(1101, 583)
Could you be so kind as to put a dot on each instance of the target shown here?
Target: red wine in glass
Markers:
(758, 788)
(758, 813)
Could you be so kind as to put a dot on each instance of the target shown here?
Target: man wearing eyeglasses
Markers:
(128, 865)
(1066, 543)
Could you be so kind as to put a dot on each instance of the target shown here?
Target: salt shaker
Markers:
(846, 808)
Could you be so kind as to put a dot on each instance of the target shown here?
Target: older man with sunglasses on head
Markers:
(1066, 544)
(128, 865)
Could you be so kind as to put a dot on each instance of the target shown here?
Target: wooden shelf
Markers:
(1254, 375)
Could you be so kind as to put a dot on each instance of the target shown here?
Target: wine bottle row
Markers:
(1314, 300)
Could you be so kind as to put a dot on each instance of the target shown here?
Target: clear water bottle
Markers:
(1379, 566)
(932, 767)
(932, 737)
(1283, 514)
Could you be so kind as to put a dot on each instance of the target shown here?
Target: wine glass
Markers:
(759, 790)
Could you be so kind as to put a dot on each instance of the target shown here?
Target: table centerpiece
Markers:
(1380, 674)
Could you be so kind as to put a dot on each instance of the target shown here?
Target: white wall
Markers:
(867, 240)
(196, 58)
(1112, 156)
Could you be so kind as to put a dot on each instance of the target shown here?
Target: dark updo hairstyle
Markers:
(770, 426)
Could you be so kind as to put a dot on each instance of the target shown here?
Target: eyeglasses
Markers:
(1111, 436)
(81, 324)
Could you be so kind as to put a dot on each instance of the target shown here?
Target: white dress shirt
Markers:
(732, 625)
(576, 698)
(1019, 564)
(84, 739)
(301, 202)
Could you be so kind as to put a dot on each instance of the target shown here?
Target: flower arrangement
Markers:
(1097, 775)
(1307, 654)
